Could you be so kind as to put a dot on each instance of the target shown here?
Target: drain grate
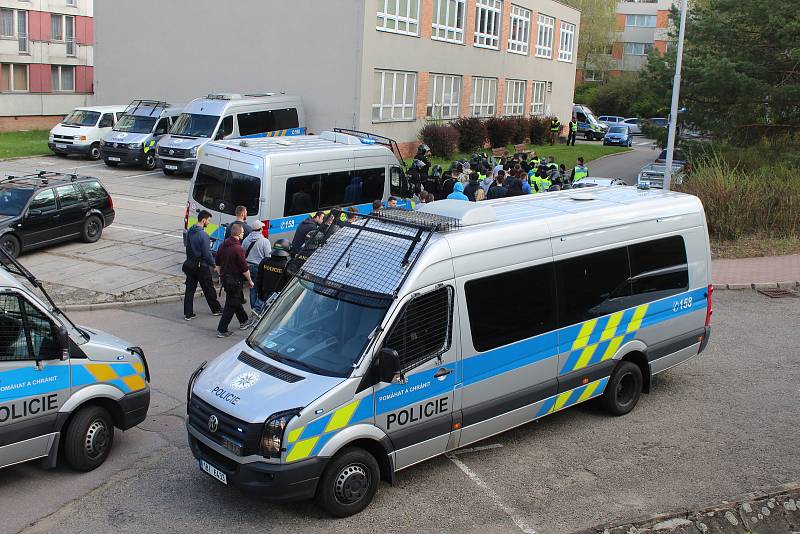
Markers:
(778, 293)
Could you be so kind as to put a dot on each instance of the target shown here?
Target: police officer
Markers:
(539, 184)
(573, 131)
(555, 130)
(423, 156)
(312, 243)
(580, 171)
(272, 276)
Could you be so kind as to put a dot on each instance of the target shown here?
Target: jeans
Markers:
(234, 305)
(255, 302)
(203, 277)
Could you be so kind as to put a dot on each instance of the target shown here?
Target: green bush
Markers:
(471, 133)
(442, 140)
(538, 130)
(520, 130)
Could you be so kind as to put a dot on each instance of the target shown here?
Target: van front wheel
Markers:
(88, 438)
(624, 389)
(349, 482)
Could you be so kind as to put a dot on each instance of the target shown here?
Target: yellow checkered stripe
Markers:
(572, 397)
(599, 340)
(128, 377)
(308, 440)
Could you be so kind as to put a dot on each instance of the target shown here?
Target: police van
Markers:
(282, 180)
(588, 125)
(412, 333)
(133, 139)
(63, 388)
(225, 116)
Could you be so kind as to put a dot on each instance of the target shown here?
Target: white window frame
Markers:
(519, 37)
(483, 102)
(492, 19)
(545, 33)
(514, 105)
(11, 68)
(566, 42)
(594, 76)
(439, 97)
(636, 19)
(59, 69)
(538, 97)
(20, 36)
(386, 17)
(387, 110)
(72, 3)
(451, 29)
(632, 49)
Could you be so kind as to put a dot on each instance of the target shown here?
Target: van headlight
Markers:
(272, 435)
(135, 146)
(192, 380)
(193, 152)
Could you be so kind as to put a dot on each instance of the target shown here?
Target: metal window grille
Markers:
(445, 97)
(566, 43)
(520, 33)
(544, 37)
(484, 97)
(488, 14)
(394, 97)
(448, 21)
(515, 98)
(398, 16)
(13, 334)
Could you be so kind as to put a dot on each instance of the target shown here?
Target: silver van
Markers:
(227, 116)
(63, 387)
(412, 333)
(133, 139)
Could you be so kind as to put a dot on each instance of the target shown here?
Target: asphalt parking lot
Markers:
(722, 425)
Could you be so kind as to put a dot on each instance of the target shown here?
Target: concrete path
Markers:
(750, 272)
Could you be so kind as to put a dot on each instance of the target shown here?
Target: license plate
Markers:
(64, 147)
(214, 472)
(113, 159)
(171, 167)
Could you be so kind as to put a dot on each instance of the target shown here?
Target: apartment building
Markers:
(642, 25)
(385, 66)
(46, 60)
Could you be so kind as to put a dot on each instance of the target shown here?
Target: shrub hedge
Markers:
(441, 139)
(471, 133)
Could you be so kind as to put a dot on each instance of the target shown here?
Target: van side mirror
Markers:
(388, 366)
(63, 342)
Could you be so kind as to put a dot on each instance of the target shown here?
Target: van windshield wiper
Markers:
(287, 360)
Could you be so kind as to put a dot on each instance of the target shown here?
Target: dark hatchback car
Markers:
(46, 208)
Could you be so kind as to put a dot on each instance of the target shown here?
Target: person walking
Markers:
(233, 273)
(555, 130)
(573, 131)
(241, 218)
(272, 276)
(198, 266)
(256, 248)
(308, 225)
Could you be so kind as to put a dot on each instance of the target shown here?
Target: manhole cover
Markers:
(778, 293)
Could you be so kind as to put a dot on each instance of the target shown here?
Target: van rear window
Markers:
(259, 122)
(222, 190)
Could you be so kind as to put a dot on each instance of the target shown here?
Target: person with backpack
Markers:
(233, 274)
(256, 248)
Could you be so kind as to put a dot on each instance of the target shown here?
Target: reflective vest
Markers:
(555, 126)
(534, 162)
(539, 185)
(553, 166)
(581, 172)
(573, 126)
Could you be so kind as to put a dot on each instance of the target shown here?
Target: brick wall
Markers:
(556, 38)
(14, 124)
(499, 109)
(422, 95)
(505, 27)
(662, 19)
(528, 97)
(466, 94)
(616, 50)
(621, 22)
(661, 46)
(426, 19)
(469, 24)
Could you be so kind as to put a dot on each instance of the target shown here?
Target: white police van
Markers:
(62, 387)
(226, 116)
(410, 334)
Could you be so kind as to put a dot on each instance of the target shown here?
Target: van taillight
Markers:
(186, 218)
(265, 230)
(709, 307)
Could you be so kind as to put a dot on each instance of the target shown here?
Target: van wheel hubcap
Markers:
(626, 389)
(96, 439)
(352, 484)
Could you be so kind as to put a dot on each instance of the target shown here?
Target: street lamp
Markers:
(676, 93)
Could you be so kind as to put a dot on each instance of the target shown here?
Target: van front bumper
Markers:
(67, 148)
(122, 155)
(278, 482)
(180, 165)
(134, 408)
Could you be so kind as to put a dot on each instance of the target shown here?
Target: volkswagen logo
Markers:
(213, 423)
(171, 152)
(115, 145)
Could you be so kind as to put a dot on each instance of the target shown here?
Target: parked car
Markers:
(610, 119)
(634, 125)
(618, 135)
(46, 208)
(81, 131)
(659, 121)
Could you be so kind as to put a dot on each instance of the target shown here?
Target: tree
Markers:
(597, 31)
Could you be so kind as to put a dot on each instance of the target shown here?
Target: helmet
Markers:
(436, 171)
(314, 240)
(423, 148)
(418, 165)
(281, 248)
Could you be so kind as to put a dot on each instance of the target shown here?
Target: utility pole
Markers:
(676, 94)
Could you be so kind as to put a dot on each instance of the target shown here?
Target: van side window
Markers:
(423, 329)
(162, 126)
(593, 285)
(222, 190)
(260, 122)
(43, 334)
(305, 194)
(659, 268)
(13, 337)
(107, 121)
(226, 128)
(396, 184)
(511, 306)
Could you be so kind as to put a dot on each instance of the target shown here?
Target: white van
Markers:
(228, 116)
(82, 130)
(281, 181)
(412, 333)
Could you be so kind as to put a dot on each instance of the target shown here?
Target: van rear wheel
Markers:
(88, 438)
(94, 152)
(349, 482)
(624, 389)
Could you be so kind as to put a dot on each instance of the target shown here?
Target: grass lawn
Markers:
(755, 247)
(562, 153)
(20, 144)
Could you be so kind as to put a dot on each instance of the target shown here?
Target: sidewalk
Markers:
(756, 272)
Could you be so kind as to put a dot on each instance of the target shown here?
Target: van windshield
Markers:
(317, 330)
(81, 117)
(135, 124)
(194, 125)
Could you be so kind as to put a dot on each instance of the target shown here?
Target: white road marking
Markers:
(138, 175)
(72, 169)
(478, 449)
(154, 202)
(130, 229)
(510, 512)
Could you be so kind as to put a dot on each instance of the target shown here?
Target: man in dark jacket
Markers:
(233, 273)
(241, 218)
(306, 227)
(197, 267)
(498, 190)
(472, 186)
(272, 276)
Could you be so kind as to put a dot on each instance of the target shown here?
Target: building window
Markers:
(637, 49)
(515, 98)
(544, 37)
(641, 21)
(394, 97)
(399, 16)
(488, 14)
(444, 96)
(448, 20)
(538, 97)
(520, 34)
(14, 77)
(566, 43)
(57, 27)
(14, 24)
(484, 97)
(7, 23)
(63, 78)
(594, 76)
(72, 3)
(62, 29)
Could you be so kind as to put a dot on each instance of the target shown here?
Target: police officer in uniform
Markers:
(580, 171)
(423, 156)
(573, 131)
(272, 276)
(555, 130)
(312, 243)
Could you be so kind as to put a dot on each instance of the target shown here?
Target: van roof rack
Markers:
(372, 138)
(373, 256)
(148, 107)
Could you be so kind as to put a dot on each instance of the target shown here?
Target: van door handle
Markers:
(441, 373)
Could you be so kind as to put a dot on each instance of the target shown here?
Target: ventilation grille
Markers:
(264, 367)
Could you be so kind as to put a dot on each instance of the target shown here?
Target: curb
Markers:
(123, 304)
(15, 158)
(759, 285)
